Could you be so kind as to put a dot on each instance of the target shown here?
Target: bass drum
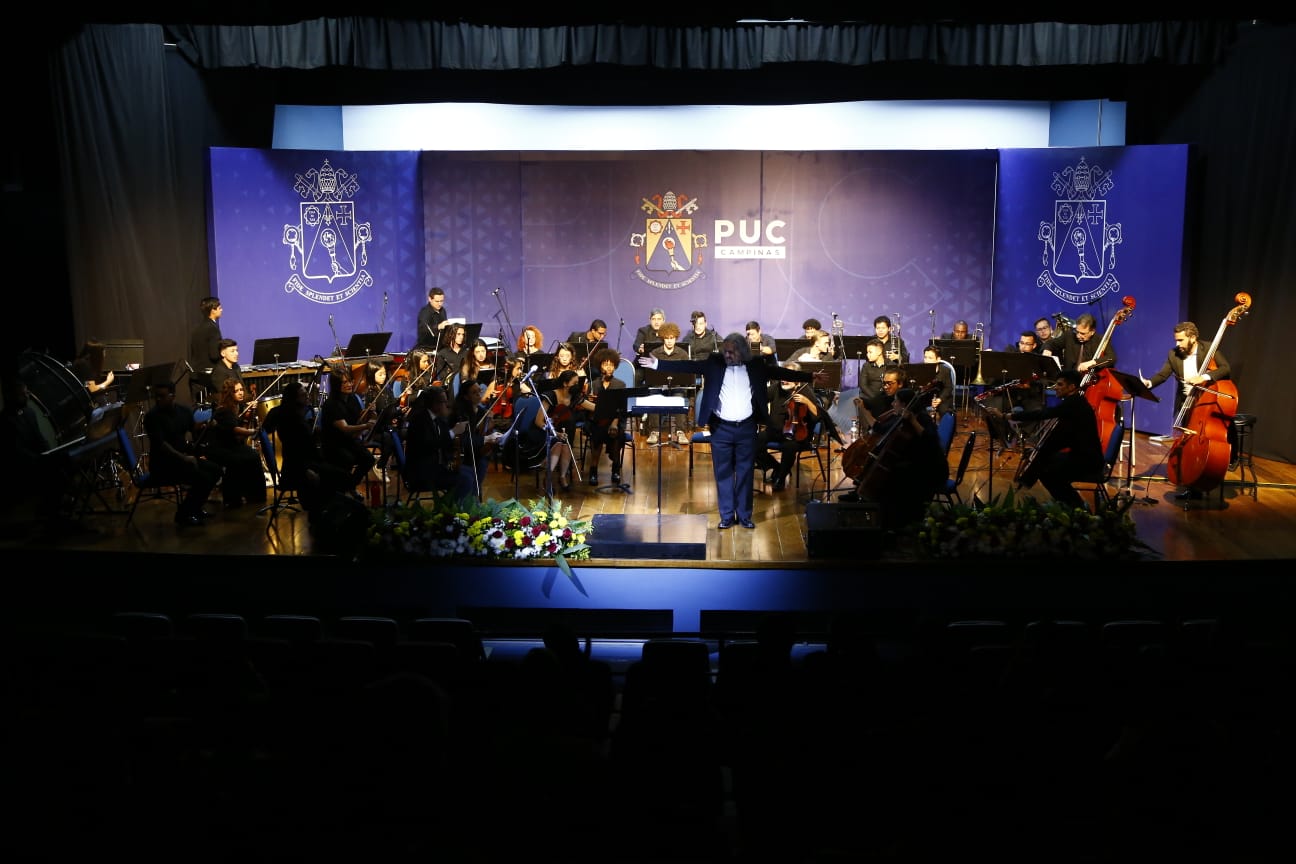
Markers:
(63, 401)
(265, 405)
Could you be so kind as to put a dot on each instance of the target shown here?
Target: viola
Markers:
(797, 427)
(1199, 456)
(1101, 390)
(503, 406)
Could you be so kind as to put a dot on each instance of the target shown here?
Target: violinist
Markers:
(513, 389)
(564, 359)
(342, 428)
(1068, 450)
(531, 341)
(562, 404)
(451, 357)
(227, 444)
(477, 441)
(420, 377)
(1185, 363)
(906, 465)
(382, 407)
(476, 367)
(793, 412)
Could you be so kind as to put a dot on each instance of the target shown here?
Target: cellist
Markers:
(1185, 362)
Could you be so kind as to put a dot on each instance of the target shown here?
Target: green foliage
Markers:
(1022, 527)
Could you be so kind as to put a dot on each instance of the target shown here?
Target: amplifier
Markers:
(844, 530)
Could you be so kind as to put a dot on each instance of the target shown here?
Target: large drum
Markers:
(62, 402)
(264, 406)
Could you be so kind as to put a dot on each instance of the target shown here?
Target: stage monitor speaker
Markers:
(843, 530)
(123, 354)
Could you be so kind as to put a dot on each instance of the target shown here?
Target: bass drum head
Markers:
(265, 405)
(57, 394)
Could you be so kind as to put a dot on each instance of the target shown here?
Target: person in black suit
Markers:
(1075, 347)
(1069, 451)
(1185, 362)
(172, 459)
(204, 346)
(432, 319)
(734, 402)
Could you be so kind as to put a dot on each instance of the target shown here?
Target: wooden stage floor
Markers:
(1237, 525)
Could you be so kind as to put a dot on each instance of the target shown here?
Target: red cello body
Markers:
(1199, 457)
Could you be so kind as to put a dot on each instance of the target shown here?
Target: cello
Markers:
(1102, 391)
(1199, 457)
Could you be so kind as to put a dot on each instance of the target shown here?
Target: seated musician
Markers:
(381, 406)
(942, 400)
(670, 349)
(793, 412)
(227, 438)
(228, 367)
(88, 369)
(906, 465)
(451, 357)
(341, 430)
(478, 441)
(304, 469)
(172, 458)
(562, 405)
(531, 341)
(870, 372)
(430, 459)
(564, 358)
(820, 350)
(607, 433)
(1068, 450)
(475, 364)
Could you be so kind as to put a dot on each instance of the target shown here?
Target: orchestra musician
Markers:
(1185, 363)
(942, 401)
(562, 404)
(793, 412)
(760, 343)
(1068, 450)
(477, 362)
(341, 429)
(1074, 347)
(564, 359)
(670, 350)
(432, 319)
(896, 350)
(530, 341)
(172, 457)
(590, 338)
(383, 407)
(451, 357)
(870, 373)
(88, 369)
(304, 469)
(429, 461)
(906, 464)
(204, 345)
(477, 441)
(227, 439)
(227, 366)
(820, 350)
(701, 340)
(605, 434)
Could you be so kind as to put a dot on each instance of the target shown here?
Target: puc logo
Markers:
(1080, 245)
(668, 245)
(332, 245)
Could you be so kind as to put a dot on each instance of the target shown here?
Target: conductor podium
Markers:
(661, 536)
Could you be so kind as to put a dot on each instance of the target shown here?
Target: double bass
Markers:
(1199, 457)
(1102, 391)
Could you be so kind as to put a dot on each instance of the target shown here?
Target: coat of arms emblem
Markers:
(331, 244)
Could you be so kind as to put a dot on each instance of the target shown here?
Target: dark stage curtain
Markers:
(132, 120)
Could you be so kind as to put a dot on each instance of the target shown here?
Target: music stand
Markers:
(584, 349)
(786, 349)
(1000, 367)
(919, 375)
(540, 360)
(832, 367)
(611, 405)
(365, 345)
(1134, 386)
(142, 381)
(669, 383)
(281, 349)
(651, 345)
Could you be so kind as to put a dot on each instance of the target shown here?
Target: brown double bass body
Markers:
(1101, 390)
(1199, 457)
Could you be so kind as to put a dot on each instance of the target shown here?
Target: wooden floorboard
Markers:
(1238, 527)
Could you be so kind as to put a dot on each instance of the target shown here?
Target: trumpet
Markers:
(1062, 322)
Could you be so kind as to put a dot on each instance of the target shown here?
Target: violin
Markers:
(799, 418)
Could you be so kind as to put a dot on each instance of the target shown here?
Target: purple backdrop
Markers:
(557, 239)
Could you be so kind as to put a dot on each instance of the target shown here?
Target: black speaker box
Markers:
(843, 530)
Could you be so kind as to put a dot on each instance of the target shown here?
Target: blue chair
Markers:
(946, 431)
(1097, 489)
(811, 447)
(284, 498)
(146, 484)
(950, 494)
(625, 373)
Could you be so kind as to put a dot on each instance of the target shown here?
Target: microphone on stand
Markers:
(495, 293)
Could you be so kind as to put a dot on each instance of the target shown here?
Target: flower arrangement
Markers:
(468, 528)
(1010, 527)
